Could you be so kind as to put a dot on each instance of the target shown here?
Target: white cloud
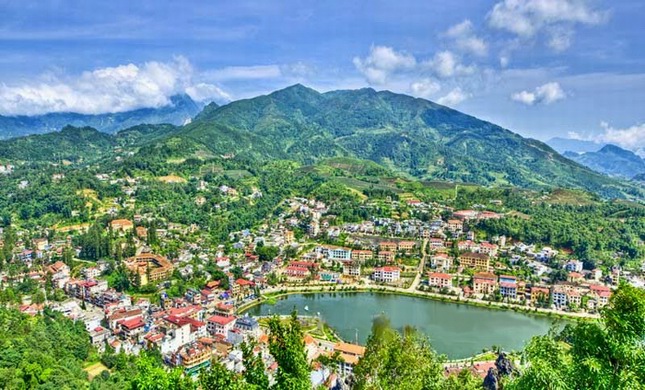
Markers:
(632, 138)
(544, 94)
(446, 64)
(112, 89)
(382, 62)
(202, 92)
(465, 39)
(424, 88)
(527, 18)
(454, 97)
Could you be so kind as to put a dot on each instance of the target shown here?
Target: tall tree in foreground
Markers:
(287, 347)
(606, 354)
(398, 361)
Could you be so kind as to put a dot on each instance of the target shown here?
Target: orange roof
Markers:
(352, 349)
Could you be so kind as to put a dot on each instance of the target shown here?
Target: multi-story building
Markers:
(362, 255)
(220, 324)
(350, 354)
(508, 286)
(386, 256)
(479, 261)
(440, 280)
(387, 246)
(352, 268)
(387, 274)
(484, 283)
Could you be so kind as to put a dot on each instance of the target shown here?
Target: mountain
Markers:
(562, 145)
(611, 160)
(180, 111)
(71, 144)
(413, 136)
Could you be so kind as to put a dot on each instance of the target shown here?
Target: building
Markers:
(350, 354)
(539, 294)
(386, 256)
(484, 283)
(387, 246)
(150, 267)
(121, 225)
(193, 358)
(455, 225)
(440, 280)
(559, 296)
(441, 261)
(339, 253)
(488, 248)
(352, 268)
(574, 266)
(221, 325)
(362, 255)
(479, 261)
(387, 274)
(508, 286)
(406, 246)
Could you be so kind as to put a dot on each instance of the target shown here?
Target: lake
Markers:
(456, 330)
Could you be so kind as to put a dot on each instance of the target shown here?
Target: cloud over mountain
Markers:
(107, 90)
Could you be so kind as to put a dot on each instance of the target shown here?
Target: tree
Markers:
(287, 347)
(218, 377)
(255, 371)
(605, 354)
(397, 361)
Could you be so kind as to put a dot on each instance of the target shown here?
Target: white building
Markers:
(387, 274)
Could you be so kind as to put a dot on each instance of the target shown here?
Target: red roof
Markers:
(388, 269)
(508, 285)
(439, 275)
(221, 320)
(132, 323)
(244, 282)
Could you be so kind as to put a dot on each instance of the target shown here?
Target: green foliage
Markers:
(607, 354)
(287, 347)
(43, 350)
(398, 361)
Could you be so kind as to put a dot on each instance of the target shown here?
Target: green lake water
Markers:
(456, 330)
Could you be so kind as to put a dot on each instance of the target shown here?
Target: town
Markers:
(189, 303)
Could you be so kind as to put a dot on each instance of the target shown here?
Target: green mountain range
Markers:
(411, 137)
(611, 160)
(415, 137)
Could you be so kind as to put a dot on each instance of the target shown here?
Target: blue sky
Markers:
(542, 68)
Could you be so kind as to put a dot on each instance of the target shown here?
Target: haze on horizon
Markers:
(542, 68)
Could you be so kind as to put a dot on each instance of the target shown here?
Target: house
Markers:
(387, 274)
(339, 253)
(350, 354)
(455, 225)
(131, 327)
(574, 266)
(441, 261)
(352, 268)
(440, 280)
(475, 260)
(142, 232)
(484, 283)
(221, 325)
(293, 271)
(488, 248)
(248, 325)
(386, 256)
(559, 296)
(193, 358)
(508, 286)
(121, 225)
(575, 277)
(98, 336)
(436, 243)
(539, 294)
(574, 298)
(362, 255)
(406, 246)
(387, 246)
(41, 244)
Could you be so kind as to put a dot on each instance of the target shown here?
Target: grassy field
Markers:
(94, 370)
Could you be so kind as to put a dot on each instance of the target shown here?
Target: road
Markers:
(422, 264)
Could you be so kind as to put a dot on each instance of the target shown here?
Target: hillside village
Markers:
(189, 302)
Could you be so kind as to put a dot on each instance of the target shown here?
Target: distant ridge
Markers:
(181, 110)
